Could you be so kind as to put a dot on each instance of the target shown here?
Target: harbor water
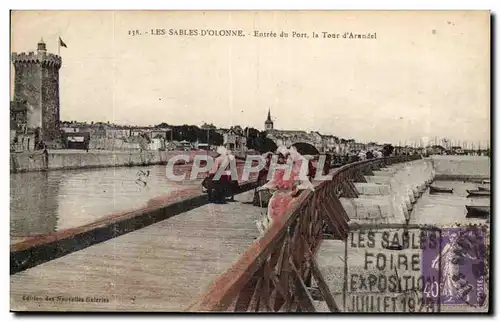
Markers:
(448, 209)
(44, 202)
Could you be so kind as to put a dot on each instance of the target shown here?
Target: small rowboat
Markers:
(480, 181)
(477, 211)
(478, 193)
(433, 189)
(483, 188)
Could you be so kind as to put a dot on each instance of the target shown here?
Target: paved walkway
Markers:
(163, 267)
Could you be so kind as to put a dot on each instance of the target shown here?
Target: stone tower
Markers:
(37, 83)
(268, 124)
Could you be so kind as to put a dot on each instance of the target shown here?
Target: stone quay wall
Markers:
(80, 159)
(389, 194)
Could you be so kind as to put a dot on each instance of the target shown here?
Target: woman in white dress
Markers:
(454, 286)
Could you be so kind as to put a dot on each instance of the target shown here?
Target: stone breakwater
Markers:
(362, 272)
(389, 194)
(80, 159)
(349, 267)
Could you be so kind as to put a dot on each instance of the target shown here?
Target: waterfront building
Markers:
(22, 138)
(235, 139)
(137, 131)
(165, 133)
(76, 140)
(355, 146)
(330, 143)
(118, 132)
(157, 143)
(75, 127)
(317, 140)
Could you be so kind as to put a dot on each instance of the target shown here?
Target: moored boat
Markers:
(479, 181)
(477, 211)
(478, 193)
(433, 189)
(483, 188)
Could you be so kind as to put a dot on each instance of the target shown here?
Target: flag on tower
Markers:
(61, 43)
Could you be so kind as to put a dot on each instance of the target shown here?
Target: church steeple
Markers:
(268, 124)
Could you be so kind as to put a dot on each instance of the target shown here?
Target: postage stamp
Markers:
(456, 273)
(419, 270)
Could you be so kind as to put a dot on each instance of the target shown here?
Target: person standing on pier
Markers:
(361, 156)
(217, 189)
(284, 186)
(233, 184)
(261, 198)
(262, 177)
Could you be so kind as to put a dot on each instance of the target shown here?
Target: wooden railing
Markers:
(275, 272)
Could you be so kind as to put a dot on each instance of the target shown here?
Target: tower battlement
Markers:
(36, 81)
(43, 58)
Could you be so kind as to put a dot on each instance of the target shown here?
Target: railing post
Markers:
(367, 171)
(358, 176)
(349, 190)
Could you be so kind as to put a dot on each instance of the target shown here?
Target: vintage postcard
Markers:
(250, 161)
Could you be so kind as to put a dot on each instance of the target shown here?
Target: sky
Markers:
(426, 75)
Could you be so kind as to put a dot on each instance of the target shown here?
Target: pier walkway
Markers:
(209, 258)
(162, 267)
